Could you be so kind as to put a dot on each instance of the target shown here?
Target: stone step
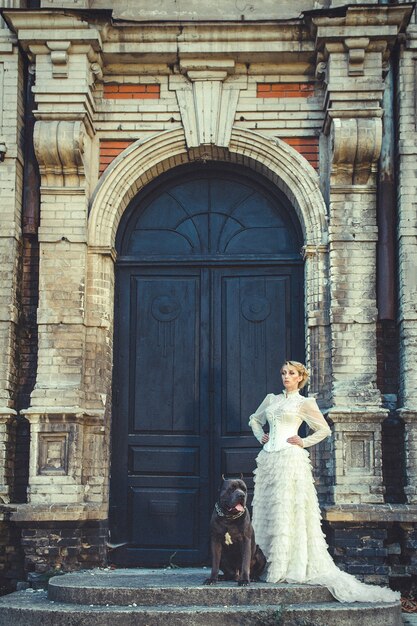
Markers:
(34, 609)
(179, 587)
(177, 597)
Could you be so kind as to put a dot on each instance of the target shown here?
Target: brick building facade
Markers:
(314, 100)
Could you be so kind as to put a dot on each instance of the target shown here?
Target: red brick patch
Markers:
(124, 91)
(109, 150)
(307, 146)
(284, 90)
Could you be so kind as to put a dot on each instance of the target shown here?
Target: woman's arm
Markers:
(311, 414)
(258, 419)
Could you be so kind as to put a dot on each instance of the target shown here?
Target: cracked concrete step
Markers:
(180, 587)
(177, 597)
(32, 608)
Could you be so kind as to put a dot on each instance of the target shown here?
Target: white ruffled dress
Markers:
(286, 515)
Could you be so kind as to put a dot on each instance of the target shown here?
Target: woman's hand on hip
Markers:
(265, 438)
(296, 441)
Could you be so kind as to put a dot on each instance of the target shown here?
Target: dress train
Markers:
(287, 523)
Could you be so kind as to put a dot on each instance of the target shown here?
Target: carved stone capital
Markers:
(59, 148)
(355, 149)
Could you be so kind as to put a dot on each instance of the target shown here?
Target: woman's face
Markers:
(290, 377)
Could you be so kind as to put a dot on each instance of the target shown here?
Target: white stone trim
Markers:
(143, 161)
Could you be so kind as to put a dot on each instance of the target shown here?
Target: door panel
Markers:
(165, 354)
(258, 328)
(166, 442)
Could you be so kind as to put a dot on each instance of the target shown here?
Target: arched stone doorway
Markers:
(209, 302)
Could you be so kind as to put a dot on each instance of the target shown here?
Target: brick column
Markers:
(351, 53)
(407, 246)
(66, 435)
(356, 410)
(11, 173)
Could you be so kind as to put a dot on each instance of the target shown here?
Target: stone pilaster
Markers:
(11, 178)
(351, 57)
(99, 360)
(66, 436)
(407, 248)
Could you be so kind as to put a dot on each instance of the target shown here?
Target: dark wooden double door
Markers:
(200, 337)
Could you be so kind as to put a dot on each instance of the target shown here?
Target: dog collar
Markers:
(221, 514)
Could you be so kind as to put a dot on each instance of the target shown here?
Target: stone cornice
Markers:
(370, 513)
(55, 512)
(355, 32)
(245, 43)
(129, 42)
(374, 22)
(37, 27)
(63, 414)
(362, 414)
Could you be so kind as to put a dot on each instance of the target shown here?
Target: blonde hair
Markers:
(301, 369)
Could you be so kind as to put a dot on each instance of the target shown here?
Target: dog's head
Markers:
(233, 495)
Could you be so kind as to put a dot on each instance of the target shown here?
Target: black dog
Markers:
(233, 547)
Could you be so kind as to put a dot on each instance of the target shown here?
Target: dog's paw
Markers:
(210, 581)
(243, 583)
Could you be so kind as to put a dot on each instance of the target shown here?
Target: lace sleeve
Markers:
(311, 414)
(258, 419)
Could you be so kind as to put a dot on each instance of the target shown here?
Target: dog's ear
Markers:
(223, 478)
(241, 476)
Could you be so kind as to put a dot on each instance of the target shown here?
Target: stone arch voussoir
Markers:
(144, 160)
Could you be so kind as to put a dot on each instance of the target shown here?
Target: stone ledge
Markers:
(56, 512)
(370, 513)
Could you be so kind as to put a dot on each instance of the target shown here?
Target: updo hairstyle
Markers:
(301, 369)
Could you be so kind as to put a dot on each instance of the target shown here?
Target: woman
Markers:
(286, 514)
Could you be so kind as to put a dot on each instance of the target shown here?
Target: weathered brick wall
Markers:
(407, 250)
(27, 353)
(11, 188)
(388, 374)
(360, 550)
(11, 176)
(378, 544)
(289, 110)
(11, 554)
(64, 547)
(27, 328)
